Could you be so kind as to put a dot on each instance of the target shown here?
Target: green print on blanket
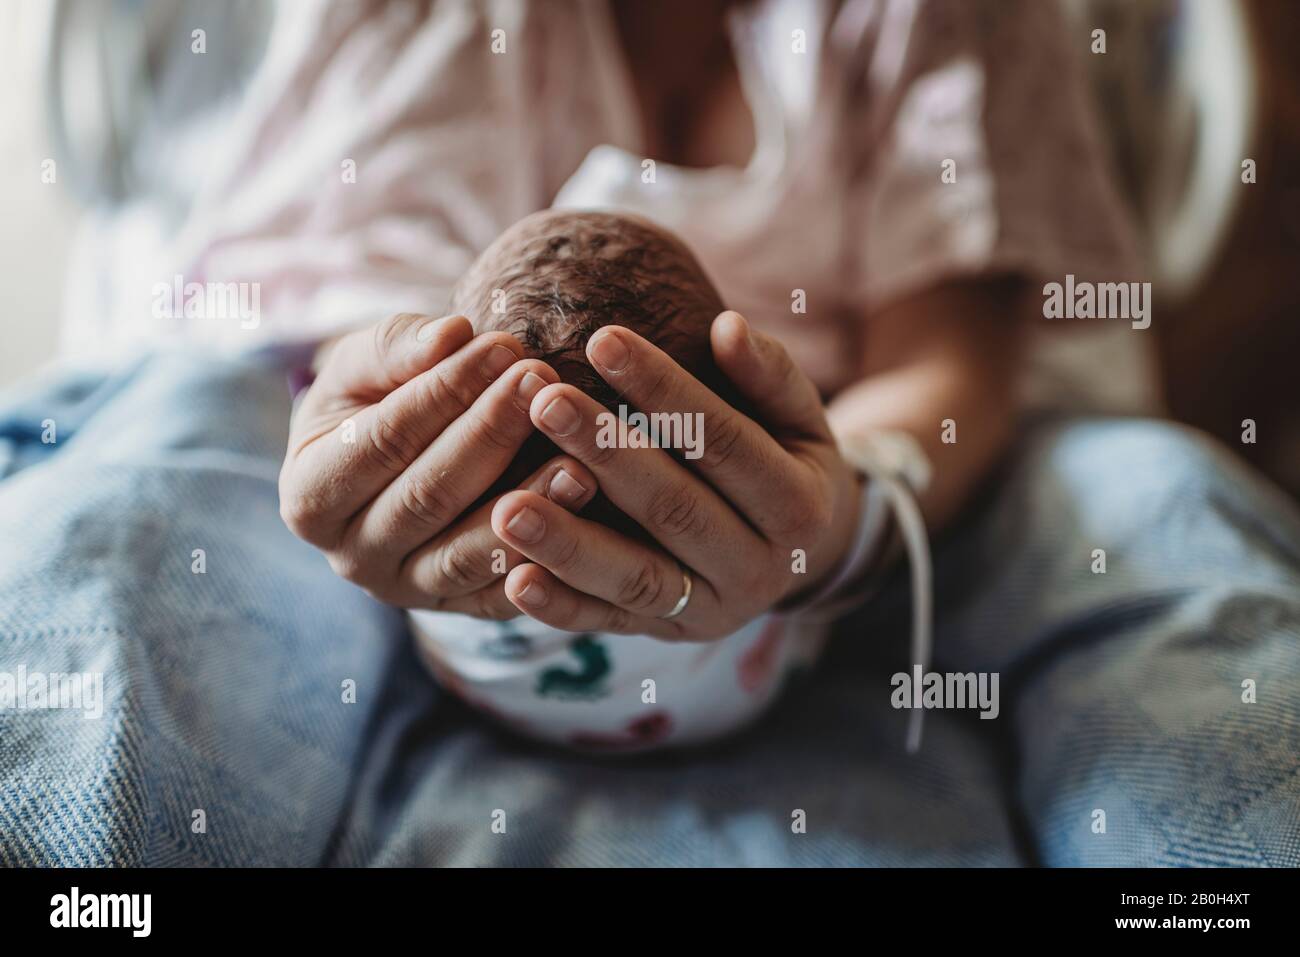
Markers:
(583, 683)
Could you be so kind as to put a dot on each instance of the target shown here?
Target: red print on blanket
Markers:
(758, 664)
(641, 732)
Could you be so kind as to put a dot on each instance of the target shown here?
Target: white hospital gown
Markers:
(382, 146)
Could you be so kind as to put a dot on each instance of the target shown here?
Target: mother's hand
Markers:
(734, 518)
(406, 426)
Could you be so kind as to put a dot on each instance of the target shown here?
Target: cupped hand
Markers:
(406, 426)
(765, 512)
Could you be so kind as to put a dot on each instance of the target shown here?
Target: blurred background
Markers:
(101, 126)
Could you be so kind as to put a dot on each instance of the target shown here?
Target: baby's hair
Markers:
(556, 277)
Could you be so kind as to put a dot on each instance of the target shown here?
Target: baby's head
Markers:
(554, 278)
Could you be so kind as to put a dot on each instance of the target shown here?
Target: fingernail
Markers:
(533, 594)
(529, 386)
(565, 489)
(497, 361)
(608, 352)
(561, 417)
(526, 526)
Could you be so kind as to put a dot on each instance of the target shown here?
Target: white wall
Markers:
(36, 219)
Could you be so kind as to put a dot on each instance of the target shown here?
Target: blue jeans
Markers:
(144, 545)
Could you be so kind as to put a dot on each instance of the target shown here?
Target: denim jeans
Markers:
(258, 710)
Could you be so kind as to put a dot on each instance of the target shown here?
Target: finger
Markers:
(335, 476)
(489, 602)
(676, 507)
(541, 596)
(761, 368)
(370, 363)
(364, 366)
(469, 555)
(732, 451)
(588, 557)
(450, 475)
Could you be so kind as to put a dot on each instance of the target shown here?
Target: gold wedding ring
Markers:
(687, 585)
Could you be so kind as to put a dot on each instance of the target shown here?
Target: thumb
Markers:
(370, 363)
(761, 368)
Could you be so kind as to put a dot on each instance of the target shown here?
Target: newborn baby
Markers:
(552, 280)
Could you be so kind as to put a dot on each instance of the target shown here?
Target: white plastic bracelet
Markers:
(895, 462)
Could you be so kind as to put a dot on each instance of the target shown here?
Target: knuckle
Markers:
(676, 631)
(642, 589)
(486, 606)
(296, 513)
(807, 516)
(821, 515)
(390, 448)
(657, 388)
(723, 443)
(387, 332)
(404, 320)
(598, 454)
(347, 566)
(562, 615)
(301, 516)
(446, 392)
(457, 571)
(387, 594)
(618, 620)
(427, 500)
(678, 513)
(805, 511)
(566, 553)
(490, 435)
(792, 523)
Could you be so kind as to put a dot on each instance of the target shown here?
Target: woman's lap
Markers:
(1126, 695)
(224, 690)
(145, 546)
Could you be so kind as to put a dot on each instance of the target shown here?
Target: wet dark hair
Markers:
(555, 277)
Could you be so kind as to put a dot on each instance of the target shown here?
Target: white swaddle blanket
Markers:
(600, 692)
